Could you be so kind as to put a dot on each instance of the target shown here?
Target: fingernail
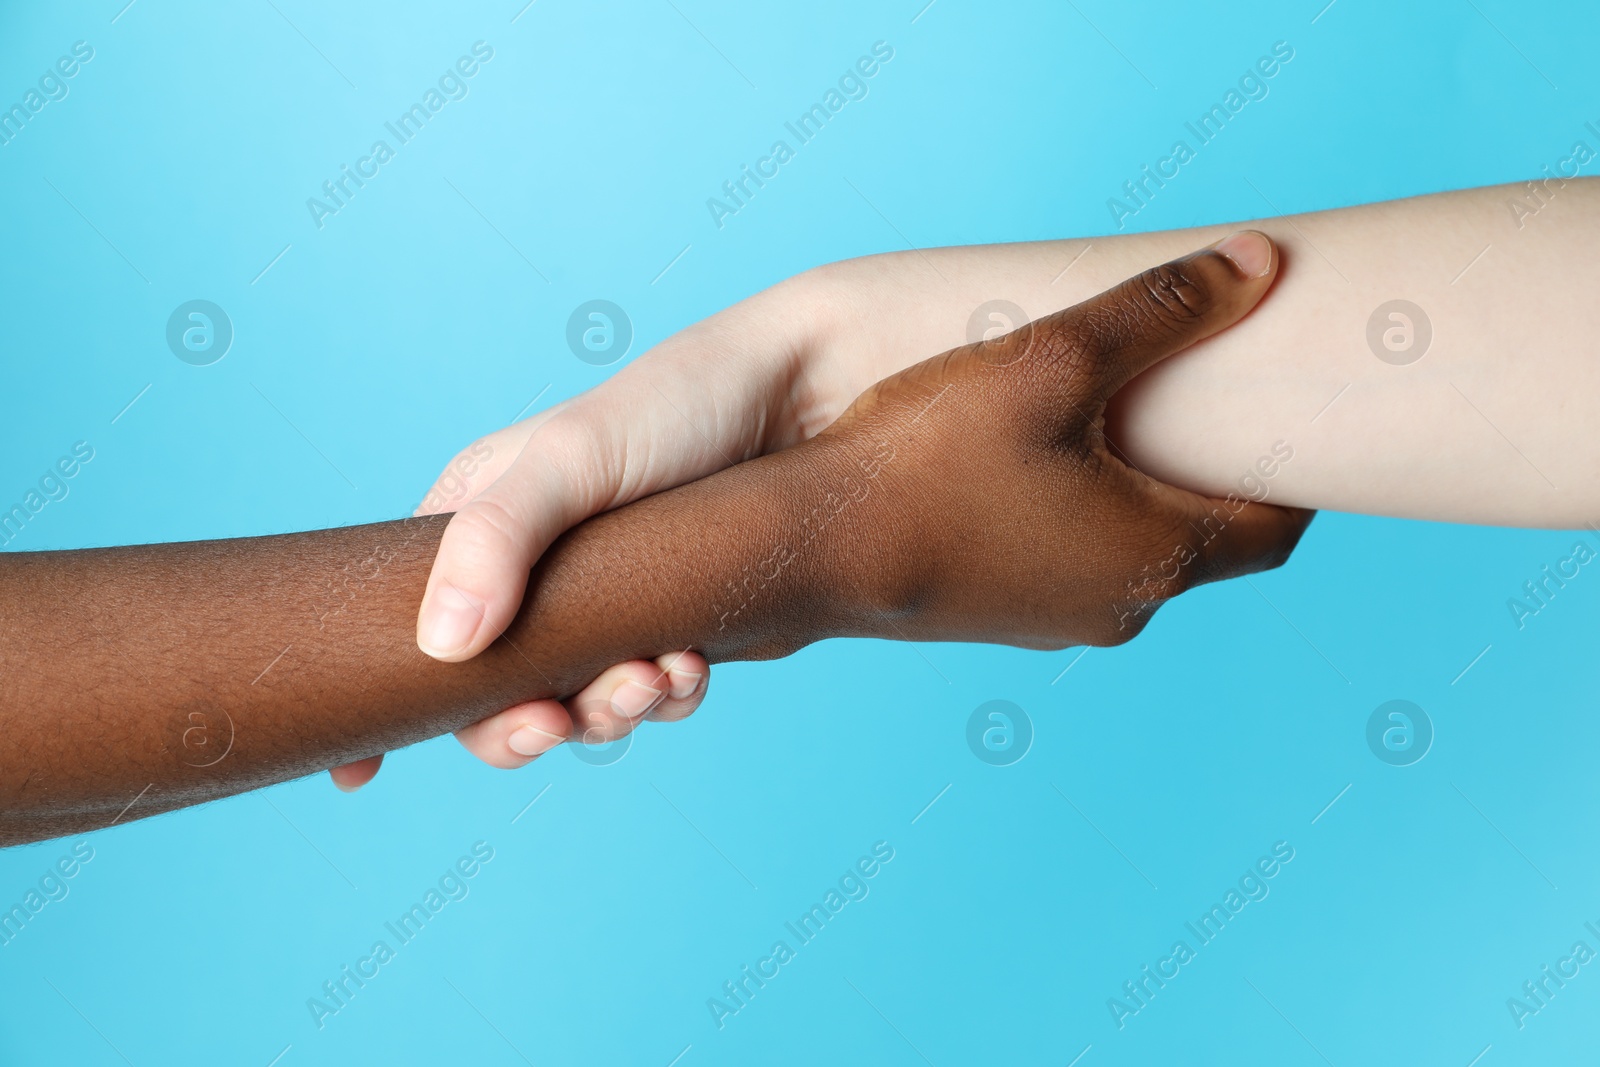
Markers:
(633, 700)
(449, 620)
(1250, 251)
(683, 683)
(341, 787)
(532, 741)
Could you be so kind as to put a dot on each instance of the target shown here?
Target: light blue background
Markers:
(625, 897)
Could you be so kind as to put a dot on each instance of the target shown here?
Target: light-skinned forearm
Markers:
(1498, 422)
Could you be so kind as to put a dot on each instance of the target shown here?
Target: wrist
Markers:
(835, 331)
(853, 536)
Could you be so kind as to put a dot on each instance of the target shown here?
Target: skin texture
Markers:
(1498, 422)
(971, 497)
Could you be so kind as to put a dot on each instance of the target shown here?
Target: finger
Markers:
(1108, 340)
(491, 544)
(519, 735)
(614, 703)
(1245, 537)
(636, 434)
(353, 776)
(686, 675)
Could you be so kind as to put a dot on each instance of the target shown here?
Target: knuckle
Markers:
(1158, 589)
(1271, 556)
(1121, 626)
(1172, 295)
(1069, 347)
(675, 711)
(1283, 546)
(489, 526)
(587, 471)
(1266, 558)
(1145, 595)
(1277, 555)
(679, 662)
(598, 723)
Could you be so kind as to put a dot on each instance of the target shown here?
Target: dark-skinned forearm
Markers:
(180, 673)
